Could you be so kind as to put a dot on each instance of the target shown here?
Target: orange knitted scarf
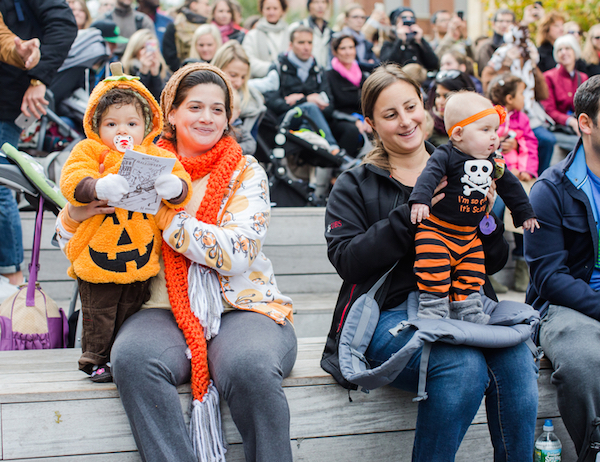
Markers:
(220, 162)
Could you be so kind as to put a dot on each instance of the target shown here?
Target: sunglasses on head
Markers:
(449, 74)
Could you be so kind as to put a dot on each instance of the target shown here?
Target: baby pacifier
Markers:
(122, 143)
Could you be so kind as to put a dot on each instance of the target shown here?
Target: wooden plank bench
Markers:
(49, 410)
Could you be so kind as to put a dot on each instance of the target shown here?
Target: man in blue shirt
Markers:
(565, 270)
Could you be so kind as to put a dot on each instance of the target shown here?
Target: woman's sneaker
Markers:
(101, 374)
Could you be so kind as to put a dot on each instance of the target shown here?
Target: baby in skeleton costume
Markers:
(450, 264)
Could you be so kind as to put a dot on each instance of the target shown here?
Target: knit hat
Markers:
(168, 94)
(568, 40)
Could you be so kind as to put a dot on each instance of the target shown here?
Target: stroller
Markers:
(298, 163)
(50, 140)
(24, 174)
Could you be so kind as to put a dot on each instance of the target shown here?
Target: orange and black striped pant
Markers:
(449, 259)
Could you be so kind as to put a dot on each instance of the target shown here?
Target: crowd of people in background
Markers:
(153, 44)
(336, 56)
(318, 64)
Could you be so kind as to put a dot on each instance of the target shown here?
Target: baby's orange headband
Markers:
(493, 110)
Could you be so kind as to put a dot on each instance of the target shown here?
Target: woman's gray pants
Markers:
(248, 360)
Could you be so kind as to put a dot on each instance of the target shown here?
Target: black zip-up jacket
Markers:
(289, 83)
(51, 21)
(346, 95)
(403, 53)
(368, 229)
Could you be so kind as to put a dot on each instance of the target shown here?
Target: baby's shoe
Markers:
(470, 310)
(101, 374)
(432, 307)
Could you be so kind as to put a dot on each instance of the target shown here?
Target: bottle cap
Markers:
(548, 426)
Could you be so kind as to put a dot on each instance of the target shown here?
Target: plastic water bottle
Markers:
(548, 447)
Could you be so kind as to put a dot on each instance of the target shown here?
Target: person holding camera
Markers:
(408, 46)
(456, 37)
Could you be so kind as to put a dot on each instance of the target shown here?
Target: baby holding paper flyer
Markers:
(114, 256)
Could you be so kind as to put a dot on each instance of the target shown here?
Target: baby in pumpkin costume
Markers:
(114, 256)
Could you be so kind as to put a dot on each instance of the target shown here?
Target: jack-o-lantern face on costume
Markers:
(123, 249)
(126, 250)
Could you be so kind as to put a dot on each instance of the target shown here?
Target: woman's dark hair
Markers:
(385, 75)
(587, 99)
(283, 4)
(336, 41)
(501, 86)
(451, 80)
(201, 77)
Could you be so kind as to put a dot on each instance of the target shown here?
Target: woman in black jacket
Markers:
(368, 231)
(345, 81)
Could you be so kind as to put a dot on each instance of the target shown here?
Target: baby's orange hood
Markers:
(120, 80)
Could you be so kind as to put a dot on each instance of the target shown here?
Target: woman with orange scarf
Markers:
(215, 314)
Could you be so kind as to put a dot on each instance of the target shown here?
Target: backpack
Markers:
(511, 323)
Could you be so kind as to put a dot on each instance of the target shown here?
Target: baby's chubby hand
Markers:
(531, 224)
(418, 213)
(111, 187)
(168, 186)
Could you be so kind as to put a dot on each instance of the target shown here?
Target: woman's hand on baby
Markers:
(83, 212)
(491, 195)
(168, 186)
(437, 195)
(111, 188)
(418, 213)
(531, 224)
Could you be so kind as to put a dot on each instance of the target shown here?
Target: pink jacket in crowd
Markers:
(525, 157)
(561, 88)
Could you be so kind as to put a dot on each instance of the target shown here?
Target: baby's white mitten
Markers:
(168, 186)
(112, 188)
